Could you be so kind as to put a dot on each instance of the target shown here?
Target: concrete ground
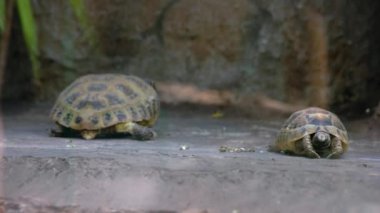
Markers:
(45, 174)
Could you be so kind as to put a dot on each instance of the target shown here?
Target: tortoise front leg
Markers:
(336, 148)
(308, 149)
(137, 131)
(88, 134)
(57, 131)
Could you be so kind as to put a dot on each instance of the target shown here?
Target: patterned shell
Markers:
(309, 121)
(99, 101)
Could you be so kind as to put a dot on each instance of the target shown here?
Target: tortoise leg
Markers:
(88, 134)
(57, 131)
(137, 131)
(308, 149)
(336, 148)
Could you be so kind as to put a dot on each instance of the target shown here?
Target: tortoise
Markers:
(312, 132)
(106, 104)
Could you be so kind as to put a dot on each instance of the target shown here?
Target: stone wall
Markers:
(246, 46)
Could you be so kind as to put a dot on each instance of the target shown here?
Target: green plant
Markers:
(29, 30)
(2, 15)
(79, 8)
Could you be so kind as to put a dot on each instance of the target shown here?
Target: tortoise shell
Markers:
(99, 101)
(307, 122)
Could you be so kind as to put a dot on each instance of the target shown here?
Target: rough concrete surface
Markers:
(45, 174)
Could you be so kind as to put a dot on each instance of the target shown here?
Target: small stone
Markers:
(70, 146)
(184, 147)
(368, 111)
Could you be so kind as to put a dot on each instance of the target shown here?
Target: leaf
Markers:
(217, 114)
(30, 35)
(2, 15)
(79, 8)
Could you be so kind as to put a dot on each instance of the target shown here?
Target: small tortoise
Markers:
(106, 104)
(314, 133)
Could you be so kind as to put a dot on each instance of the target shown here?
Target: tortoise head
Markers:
(321, 140)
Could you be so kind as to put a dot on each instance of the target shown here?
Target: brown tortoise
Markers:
(106, 104)
(314, 133)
